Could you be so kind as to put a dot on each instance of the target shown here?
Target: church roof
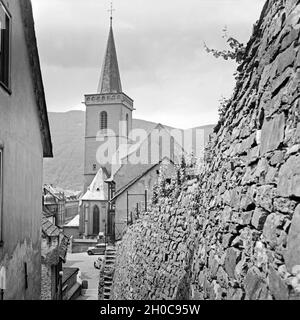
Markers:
(96, 189)
(110, 81)
(136, 179)
(74, 222)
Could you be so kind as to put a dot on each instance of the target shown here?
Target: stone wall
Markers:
(234, 233)
(152, 258)
(46, 283)
(49, 259)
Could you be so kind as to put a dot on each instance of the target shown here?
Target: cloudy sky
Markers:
(163, 65)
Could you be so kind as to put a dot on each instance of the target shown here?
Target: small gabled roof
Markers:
(52, 231)
(36, 75)
(49, 229)
(132, 182)
(53, 192)
(47, 213)
(96, 189)
(74, 222)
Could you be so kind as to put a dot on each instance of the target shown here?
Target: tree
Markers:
(236, 53)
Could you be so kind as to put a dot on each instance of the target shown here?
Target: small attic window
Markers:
(94, 167)
(5, 27)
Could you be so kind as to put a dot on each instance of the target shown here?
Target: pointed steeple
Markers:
(110, 81)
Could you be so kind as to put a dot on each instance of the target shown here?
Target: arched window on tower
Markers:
(172, 149)
(103, 120)
(127, 125)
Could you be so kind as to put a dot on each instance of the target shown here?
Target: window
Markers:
(1, 191)
(4, 47)
(138, 152)
(103, 120)
(94, 167)
(172, 149)
(127, 125)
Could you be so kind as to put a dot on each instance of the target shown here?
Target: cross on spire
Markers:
(111, 10)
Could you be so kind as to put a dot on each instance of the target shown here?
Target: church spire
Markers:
(110, 81)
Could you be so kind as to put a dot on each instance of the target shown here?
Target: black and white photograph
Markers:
(149, 151)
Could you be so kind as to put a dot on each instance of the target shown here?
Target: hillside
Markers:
(65, 170)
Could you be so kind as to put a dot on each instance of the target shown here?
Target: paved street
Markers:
(88, 272)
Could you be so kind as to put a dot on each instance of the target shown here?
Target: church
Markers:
(121, 165)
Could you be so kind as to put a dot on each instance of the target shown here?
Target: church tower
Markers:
(108, 116)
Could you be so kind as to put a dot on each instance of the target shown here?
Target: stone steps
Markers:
(109, 262)
(88, 294)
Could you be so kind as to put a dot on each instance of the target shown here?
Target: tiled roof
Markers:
(132, 182)
(74, 222)
(68, 273)
(63, 247)
(47, 213)
(49, 229)
(96, 189)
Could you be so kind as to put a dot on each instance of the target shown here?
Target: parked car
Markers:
(98, 249)
(98, 263)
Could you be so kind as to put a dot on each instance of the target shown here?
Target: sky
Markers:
(164, 67)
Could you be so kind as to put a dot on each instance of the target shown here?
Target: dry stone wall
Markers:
(234, 233)
(152, 260)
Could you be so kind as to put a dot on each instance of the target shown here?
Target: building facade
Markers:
(55, 202)
(54, 249)
(24, 141)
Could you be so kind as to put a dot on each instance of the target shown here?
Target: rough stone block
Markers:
(272, 134)
(259, 218)
(277, 286)
(286, 59)
(245, 218)
(273, 221)
(285, 205)
(264, 198)
(277, 158)
(253, 283)
(289, 178)
(292, 255)
(271, 176)
(231, 260)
